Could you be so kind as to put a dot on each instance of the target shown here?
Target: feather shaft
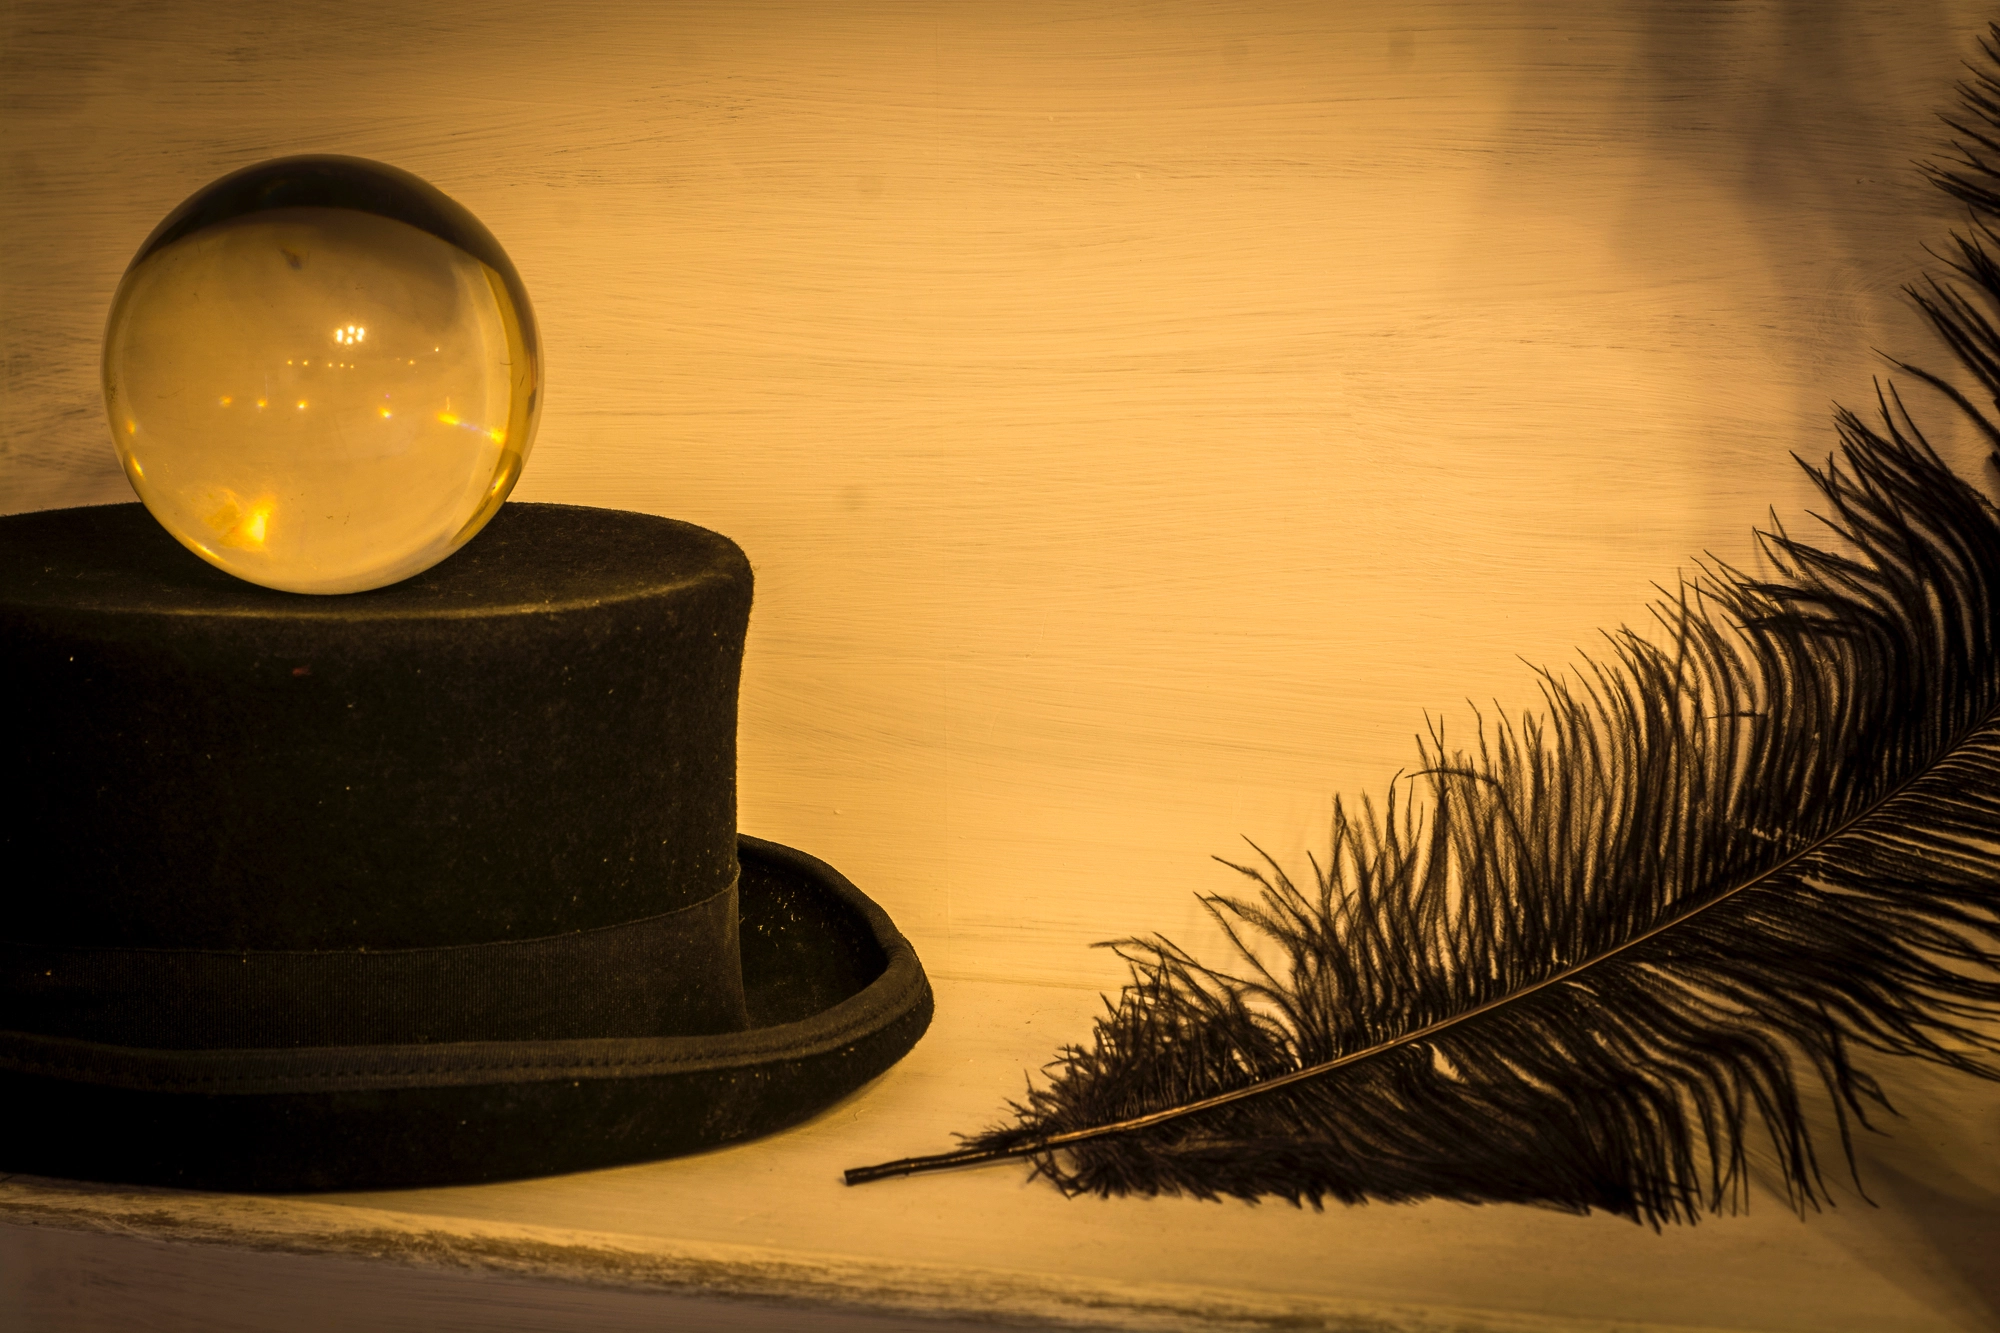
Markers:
(1627, 933)
(1035, 1147)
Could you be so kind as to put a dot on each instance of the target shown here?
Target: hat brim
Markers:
(836, 995)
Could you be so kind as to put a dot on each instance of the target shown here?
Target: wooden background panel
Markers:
(1138, 416)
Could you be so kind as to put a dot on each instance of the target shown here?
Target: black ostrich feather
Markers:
(1591, 961)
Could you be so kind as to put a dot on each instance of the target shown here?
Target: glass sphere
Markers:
(323, 375)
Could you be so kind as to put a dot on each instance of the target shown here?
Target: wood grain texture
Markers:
(1139, 417)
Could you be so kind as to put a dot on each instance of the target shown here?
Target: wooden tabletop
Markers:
(770, 1225)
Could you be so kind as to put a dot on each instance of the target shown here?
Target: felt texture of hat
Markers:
(835, 996)
(434, 883)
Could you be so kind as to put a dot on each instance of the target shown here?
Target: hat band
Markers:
(677, 974)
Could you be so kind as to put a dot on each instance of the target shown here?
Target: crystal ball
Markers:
(322, 374)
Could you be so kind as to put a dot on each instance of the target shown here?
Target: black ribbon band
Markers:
(678, 974)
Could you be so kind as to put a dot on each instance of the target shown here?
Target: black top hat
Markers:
(430, 884)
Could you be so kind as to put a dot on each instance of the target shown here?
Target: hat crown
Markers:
(535, 737)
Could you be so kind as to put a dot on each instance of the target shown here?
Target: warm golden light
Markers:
(361, 507)
(239, 528)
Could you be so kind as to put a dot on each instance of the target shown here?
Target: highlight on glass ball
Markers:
(322, 374)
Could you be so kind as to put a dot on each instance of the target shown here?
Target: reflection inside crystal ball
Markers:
(322, 375)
